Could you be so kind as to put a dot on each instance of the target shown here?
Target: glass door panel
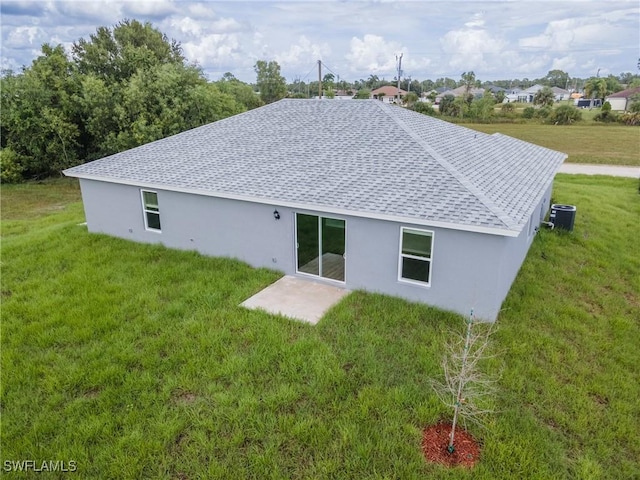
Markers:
(333, 248)
(308, 238)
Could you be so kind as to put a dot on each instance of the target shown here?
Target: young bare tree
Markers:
(466, 389)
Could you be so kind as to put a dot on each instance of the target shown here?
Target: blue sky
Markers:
(499, 39)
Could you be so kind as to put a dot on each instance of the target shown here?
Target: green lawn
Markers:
(594, 143)
(136, 362)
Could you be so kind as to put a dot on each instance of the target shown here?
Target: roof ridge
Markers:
(475, 191)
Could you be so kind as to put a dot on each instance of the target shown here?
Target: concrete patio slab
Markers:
(296, 298)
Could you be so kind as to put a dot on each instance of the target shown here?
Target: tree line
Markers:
(129, 85)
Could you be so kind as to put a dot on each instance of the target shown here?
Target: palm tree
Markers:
(544, 96)
(595, 88)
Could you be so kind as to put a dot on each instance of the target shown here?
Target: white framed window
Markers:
(151, 210)
(414, 263)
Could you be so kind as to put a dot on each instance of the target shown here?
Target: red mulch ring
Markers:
(435, 440)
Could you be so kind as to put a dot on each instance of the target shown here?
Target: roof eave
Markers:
(504, 232)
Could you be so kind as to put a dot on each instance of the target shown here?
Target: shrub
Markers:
(566, 115)
(632, 118)
(507, 108)
(606, 107)
(528, 112)
(423, 107)
(543, 112)
(606, 116)
(10, 167)
(448, 106)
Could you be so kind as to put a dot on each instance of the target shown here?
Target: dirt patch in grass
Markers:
(435, 440)
(184, 398)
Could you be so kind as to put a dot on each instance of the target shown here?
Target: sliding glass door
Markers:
(320, 243)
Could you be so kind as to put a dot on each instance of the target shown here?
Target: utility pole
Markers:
(319, 79)
(399, 60)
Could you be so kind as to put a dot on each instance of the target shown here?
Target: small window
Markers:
(151, 210)
(415, 255)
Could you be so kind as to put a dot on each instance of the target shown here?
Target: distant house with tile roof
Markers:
(356, 193)
(621, 101)
(387, 94)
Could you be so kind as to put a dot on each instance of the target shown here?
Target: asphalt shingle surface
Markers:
(358, 156)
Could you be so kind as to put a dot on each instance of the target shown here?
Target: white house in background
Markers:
(527, 96)
(561, 94)
(359, 194)
(621, 101)
(387, 94)
(511, 94)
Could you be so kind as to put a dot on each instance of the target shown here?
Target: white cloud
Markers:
(186, 26)
(570, 34)
(304, 52)
(213, 49)
(564, 63)
(476, 21)
(373, 54)
(23, 36)
(466, 48)
(150, 8)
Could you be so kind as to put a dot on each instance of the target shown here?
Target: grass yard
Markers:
(595, 143)
(136, 362)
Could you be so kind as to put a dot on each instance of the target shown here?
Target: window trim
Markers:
(415, 257)
(146, 211)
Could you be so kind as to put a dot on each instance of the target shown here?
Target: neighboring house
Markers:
(495, 89)
(458, 92)
(427, 95)
(528, 95)
(512, 94)
(359, 194)
(621, 101)
(561, 94)
(387, 94)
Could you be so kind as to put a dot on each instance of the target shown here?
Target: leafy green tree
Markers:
(635, 104)
(556, 78)
(500, 96)
(425, 108)
(482, 109)
(613, 85)
(39, 119)
(115, 55)
(328, 82)
(10, 166)
(121, 88)
(242, 92)
(166, 100)
(271, 84)
(410, 99)
(363, 94)
(544, 97)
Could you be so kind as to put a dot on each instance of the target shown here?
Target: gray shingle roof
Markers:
(359, 157)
